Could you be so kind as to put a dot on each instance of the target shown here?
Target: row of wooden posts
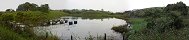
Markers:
(124, 38)
(60, 22)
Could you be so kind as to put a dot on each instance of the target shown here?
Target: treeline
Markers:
(90, 11)
(140, 13)
(31, 7)
(178, 7)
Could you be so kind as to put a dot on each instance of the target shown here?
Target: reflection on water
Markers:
(81, 28)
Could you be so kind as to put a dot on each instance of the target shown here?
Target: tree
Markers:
(9, 10)
(168, 18)
(44, 8)
(33, 7)
(160, 21)
(27, 7)
(179, 6)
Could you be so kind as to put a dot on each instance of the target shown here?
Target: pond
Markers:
(82, 28)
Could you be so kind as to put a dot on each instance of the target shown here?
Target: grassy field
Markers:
(137, 23)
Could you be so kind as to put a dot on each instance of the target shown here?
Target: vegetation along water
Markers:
(33, 22)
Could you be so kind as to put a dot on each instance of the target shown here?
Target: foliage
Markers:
(8, 34)
(77, 11)
(181, 34)
(141, 13)
(9, 10)
(168, 23)
(44, 8)
(179, 6)
(137, 24)
(27, 7)
(33, 7)
(27, 18)
(91, 13)
(28, 14)
(160, 21)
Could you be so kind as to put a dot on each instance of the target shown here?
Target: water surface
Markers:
(85, 27)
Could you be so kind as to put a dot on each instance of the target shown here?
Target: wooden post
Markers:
(75, 22)
(71, 37)
(66, 21)
(70, 23)
(124, 36)
(104, 36)
(46, 35)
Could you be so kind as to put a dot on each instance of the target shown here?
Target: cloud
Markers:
(110, 5)
(139, 4)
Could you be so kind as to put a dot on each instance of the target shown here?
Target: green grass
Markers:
(181, 34)
(26, 17)
(137, 23)
(7, 34)
(55, 14)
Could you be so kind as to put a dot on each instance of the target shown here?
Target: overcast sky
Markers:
(109, 5)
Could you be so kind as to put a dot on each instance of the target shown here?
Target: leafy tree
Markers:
(179, 6)
(33, 7)
(168, 18)
(163, 23)
(160, 21)
(143, 12)
(44, 8)
(27, 7)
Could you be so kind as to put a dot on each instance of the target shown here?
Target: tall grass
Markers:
(137, 24)
(181, 34)
(8, 34)
(145, 34)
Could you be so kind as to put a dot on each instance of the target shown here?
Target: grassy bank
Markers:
(55, 14)
(28, 18)
(8, 34)
(94, 15)
(137, 24)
